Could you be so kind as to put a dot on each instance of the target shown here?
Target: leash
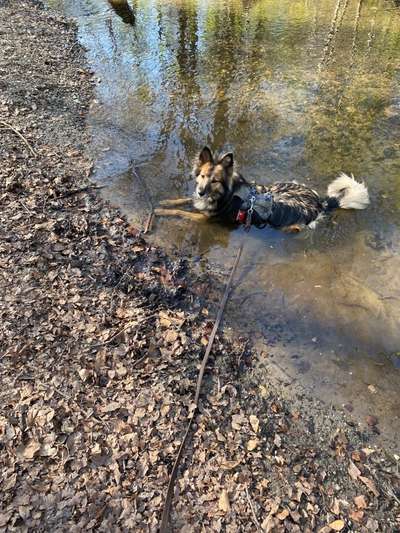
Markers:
(174, 471)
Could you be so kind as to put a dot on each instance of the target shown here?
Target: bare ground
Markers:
(101, 340)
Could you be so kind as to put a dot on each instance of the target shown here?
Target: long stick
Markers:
(174, 472)
(8, 126)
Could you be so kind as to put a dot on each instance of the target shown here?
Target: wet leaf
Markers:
(371, 420)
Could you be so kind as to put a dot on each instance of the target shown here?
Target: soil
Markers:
(102, 336)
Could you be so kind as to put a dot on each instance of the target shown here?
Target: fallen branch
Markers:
(82, 189)
(9, 127)
(174, 472)
(256, 522)
(149, 223)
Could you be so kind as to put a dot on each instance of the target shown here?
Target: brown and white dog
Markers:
(223, 193)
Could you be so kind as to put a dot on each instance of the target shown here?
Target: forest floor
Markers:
(101, 339)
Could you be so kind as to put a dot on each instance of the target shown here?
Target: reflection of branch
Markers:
(123, 10)
(331, 34)
(371, 36)
(356, 24)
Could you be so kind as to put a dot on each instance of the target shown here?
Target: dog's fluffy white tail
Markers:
(349, 193)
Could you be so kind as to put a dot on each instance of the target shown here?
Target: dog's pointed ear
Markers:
(206, 156)
(226, 160)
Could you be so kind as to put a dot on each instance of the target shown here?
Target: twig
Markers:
(127, 326)
(149, 223)
(174, 472)
(8, 126)
(82, 189)
(256, 522)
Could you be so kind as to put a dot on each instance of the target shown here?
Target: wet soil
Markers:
(102, 335)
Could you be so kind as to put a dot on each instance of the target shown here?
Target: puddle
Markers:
(299, 90)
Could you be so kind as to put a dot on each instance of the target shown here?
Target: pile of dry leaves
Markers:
(101, 341)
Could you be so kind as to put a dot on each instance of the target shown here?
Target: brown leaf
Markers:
(237, 421)
(356, 456)
(370, 485)
(254, 423)
(353, 471)
(223, 502)
(29, 451)
(252, 445)
(337, 525)
(361, 502)
(335, 507)
(283, 514)
(229, 465)
(356, 516)
(171, 336)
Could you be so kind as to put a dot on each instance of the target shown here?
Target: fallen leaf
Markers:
(229, 465)
(4, 518)
(252, 445)
(171, 336)
(356, 516)
(263, 391)
(283, 514)
(254, 423)
(361, 502)
(277, 440)
(356, 456)
(237, 421)
(370, 485)
(110, 407)
(29, 451)
(223, 503)
(368, 451)
(335, 507)
(337, 525)
(353, 471)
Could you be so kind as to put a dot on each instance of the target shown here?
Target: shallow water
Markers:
(298, 89)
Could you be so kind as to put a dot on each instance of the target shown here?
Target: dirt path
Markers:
(101, 340)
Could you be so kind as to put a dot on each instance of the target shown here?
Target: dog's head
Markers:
(214, 180)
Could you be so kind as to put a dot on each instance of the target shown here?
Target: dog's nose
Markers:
(201, 192)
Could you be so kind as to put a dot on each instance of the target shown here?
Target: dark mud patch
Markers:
(101, 339)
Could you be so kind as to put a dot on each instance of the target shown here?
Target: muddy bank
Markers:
(101, 339)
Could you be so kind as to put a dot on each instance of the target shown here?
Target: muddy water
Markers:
(298, 89)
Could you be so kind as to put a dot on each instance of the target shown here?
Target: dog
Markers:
(222, 193)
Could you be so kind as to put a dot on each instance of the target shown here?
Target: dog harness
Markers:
(255, 208)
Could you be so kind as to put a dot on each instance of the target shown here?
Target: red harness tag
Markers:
(241, 216)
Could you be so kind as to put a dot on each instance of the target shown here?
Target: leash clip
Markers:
(250, 210)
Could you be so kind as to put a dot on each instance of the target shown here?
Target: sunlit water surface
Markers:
(298, 89)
